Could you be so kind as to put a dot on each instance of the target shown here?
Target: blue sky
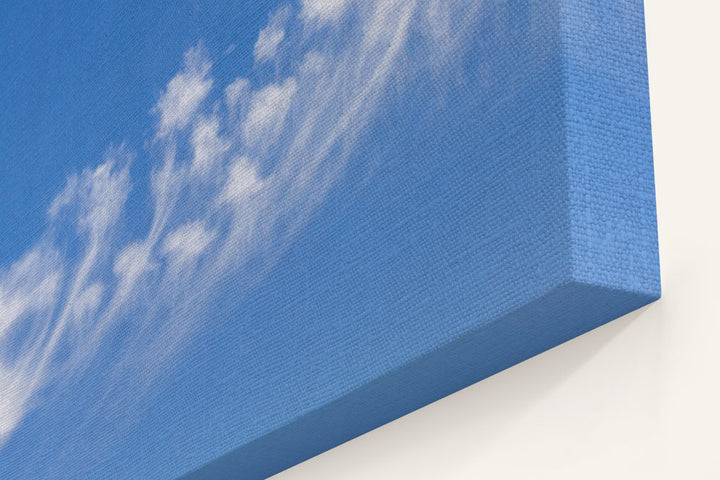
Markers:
(203, 201)
(77, 79)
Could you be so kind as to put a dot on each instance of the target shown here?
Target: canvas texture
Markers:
(306, 219)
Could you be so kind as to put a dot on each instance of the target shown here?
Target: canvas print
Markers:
(236, 234)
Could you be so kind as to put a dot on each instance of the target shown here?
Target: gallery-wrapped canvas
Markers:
(240, 233)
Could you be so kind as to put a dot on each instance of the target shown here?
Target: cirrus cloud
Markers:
(230, 177)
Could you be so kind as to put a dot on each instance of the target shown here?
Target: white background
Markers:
(637, 398)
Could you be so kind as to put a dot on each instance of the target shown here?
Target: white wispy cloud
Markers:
(324, 11)
(243, 180)
(208, 145)
(268, 110)
(28, 290)
(235, 92)
(184, 94)
(236, 173)
(186, 242)
(133, 261)
(29, 287)
(17, 392)
(271, 36)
